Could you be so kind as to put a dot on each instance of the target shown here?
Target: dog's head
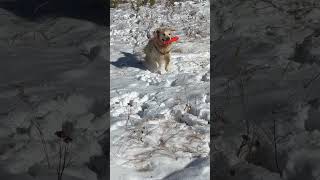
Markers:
(164, 34)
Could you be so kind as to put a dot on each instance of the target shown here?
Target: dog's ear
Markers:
(156, 32)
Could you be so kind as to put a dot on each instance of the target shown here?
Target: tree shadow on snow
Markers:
(129, 60)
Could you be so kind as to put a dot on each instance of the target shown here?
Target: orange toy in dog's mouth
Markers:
(176, 38)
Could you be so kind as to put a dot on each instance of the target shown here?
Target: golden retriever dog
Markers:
(157, 52)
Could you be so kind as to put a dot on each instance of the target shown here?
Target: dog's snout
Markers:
(168, 38)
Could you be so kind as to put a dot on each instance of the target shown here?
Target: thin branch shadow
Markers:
(129, 60)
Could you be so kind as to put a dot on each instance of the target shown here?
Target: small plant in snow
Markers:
(64, 153)
(130, 105)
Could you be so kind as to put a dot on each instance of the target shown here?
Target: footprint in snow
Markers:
(150, 79)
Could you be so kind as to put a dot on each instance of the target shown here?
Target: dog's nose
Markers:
(168, 38)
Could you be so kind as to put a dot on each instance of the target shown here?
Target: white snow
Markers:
(160, 123)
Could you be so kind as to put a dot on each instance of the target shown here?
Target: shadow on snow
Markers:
(129, 60)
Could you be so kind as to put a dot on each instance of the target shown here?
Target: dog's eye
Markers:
(169, 34)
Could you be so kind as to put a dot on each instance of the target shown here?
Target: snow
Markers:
(265, 55)
(48, 84)
(265, 76)
(160, 123)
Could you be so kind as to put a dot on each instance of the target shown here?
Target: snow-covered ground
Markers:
(265, 90)
(52, 79)
(160, 124)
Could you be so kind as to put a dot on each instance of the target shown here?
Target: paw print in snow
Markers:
(151, 79)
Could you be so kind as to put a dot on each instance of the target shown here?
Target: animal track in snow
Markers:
(121, 105)
(195, 112)
(150, 78)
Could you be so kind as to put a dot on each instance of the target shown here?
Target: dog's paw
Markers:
(162, 72)
(168, 68)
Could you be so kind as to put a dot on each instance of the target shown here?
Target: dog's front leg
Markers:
(167, 62)
(156, 64)
(162, 67)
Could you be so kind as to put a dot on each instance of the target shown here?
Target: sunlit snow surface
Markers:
(153, 134)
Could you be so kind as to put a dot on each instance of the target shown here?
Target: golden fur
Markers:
(158, 54)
